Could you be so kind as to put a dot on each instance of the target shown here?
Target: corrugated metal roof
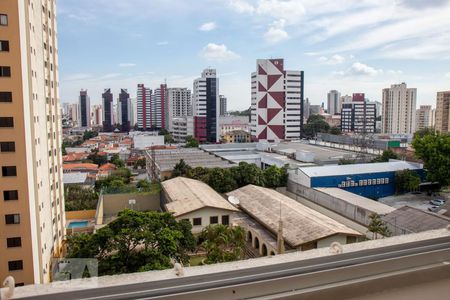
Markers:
(336, 170)
(301, 224)
(415, 220)
(74, 178)
(187, 195)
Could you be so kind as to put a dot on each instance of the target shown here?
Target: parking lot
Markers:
(420, 200)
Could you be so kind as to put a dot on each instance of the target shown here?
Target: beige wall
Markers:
(80, 214)
(115, 203)
(205, 214)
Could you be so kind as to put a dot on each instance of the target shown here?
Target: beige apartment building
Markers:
(31, 188)
(443, 111)
(399, 109)
(424, 117)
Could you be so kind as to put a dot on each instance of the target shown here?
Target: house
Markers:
(81, 167)
(237, 136)
(302, 227)
(196, 202)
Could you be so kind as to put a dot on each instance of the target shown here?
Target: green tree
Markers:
(406, 181)
(275, 177)
(335, 130)
(246, 173)
(377, 226)
(191, 142)
(434, 150)
(180, 169)
(143, 184)
(135, 241)
(314, 125)
(79, 198)
(223, 243)
(96, 158)
(115, 159)
(386, 156)
(221, 180)
(88, 134)
(197, 173)
(346, 161)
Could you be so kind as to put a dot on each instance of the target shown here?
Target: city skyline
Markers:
(350, 47)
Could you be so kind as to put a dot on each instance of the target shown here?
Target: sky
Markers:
(351, 46)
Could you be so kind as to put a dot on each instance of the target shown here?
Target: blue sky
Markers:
(351, 46)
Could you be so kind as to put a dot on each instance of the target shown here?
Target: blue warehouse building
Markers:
(373, 180)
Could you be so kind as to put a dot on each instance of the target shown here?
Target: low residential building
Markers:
(237, 136)
(83, 167)
(77, 178)
(144, 141)
(233, 123)
(372, 180)
(302, 228)
(197, 202)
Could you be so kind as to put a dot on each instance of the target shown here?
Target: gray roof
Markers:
(336, 170)
(301, 224)
(74, 178)
(415, 220)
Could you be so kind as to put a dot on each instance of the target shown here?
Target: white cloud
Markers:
(394, 72)
(209, 26)
(333, 60)
(289, 10)
(218, 52)
(362, 69)
(162, 43)
(127, 65)
(276, 32)
(241, 6)
(447, 75)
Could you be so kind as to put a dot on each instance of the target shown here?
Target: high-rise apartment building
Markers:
(399, 109)
(223, 105)
(108, 111)
(158, 106)
(205, 106)
(124, 111)
(96, 115)
(346, 98)
(334, 102)
(31, 186)
(358, 117)
(178, 105)
(306, 110)
(277, 102)
(144, 116)
(442, 114)
(424, 117)
(84, 105)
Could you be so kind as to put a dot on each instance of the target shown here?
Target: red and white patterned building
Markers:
(277, 100)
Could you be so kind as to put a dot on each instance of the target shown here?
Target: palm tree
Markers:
(222, 243)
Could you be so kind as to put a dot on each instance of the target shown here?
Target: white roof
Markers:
(74, 178)
(357, 200)
(336, 170)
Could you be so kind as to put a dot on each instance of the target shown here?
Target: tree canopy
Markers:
(135, 242)
(115, 159)
(88, 134)
(223, 243)
(386, 156)
(96, 158)
(79, 198)
(314, 125)
(433, 149)
(191, 142)
(406, 181)
(377, 226)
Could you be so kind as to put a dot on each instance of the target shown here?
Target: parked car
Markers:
(433, 208)
(437, 202)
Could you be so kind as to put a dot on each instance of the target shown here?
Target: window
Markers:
(225, 220)
(5, 97)
(10, 195)
(5, 71)
(14, 242)
(12, 219)
(15, 265)
(7, 147)
(6, 122)
(214, 220)
(3, 20)
(197, 221)
(4, 46)
(9, 171)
